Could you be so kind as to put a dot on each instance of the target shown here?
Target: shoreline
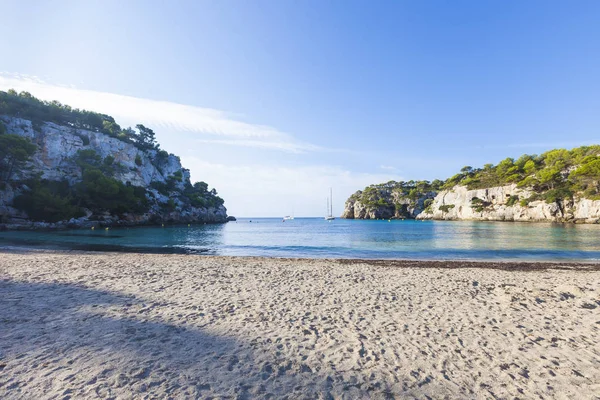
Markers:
(502, 264)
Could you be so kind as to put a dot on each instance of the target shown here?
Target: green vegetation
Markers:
(97, 189)
(24, 105)
(15, 151)
(446, 207)
(382, 195)
(512, 200)
(479, 205)
(49, 201)
(199, 195)
(555, 175)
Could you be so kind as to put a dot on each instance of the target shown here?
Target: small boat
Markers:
(330, 216)
(288, 217)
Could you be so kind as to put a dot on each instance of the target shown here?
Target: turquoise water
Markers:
(317, 238)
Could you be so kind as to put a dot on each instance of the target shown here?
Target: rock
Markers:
(58, 145)
(400, 207)
(456, 204)
(497, 209)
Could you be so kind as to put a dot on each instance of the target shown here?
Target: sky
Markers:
(274, 102)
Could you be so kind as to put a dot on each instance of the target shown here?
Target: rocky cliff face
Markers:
(397, 206)
(504, 203)
(54, 161)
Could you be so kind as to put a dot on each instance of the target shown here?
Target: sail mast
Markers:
(331, 202)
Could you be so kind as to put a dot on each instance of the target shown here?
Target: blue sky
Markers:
(273, 102)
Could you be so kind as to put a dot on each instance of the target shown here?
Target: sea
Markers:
(340, 238)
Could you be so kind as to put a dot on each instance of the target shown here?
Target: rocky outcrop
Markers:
(55, 161)
(59, 145)
(504, 203)
(398, 207)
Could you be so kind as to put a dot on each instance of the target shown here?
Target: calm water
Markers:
(316, 238)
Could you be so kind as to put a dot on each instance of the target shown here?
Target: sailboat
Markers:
(330, 216)
(289, 217)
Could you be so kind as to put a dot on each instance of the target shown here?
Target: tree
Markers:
(201, 187)
(2, 128)
(15, 151)
(111, 128)
(588, 175)
(146, 137)
(529, 167)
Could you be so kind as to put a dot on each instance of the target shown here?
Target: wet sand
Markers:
(99, 325)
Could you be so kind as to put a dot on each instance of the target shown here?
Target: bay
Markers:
(317, 238)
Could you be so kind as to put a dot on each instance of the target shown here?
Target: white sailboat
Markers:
(330, 216)
(289, 217)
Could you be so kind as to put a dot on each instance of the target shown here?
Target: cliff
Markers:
(82, 177)
(557, 186)
(505, 203)
(502, 203)
(397, 200)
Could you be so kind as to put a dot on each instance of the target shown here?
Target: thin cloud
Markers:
(258, 190)
(290, 147)
(161, 114)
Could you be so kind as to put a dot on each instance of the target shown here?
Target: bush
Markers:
(15, 151)
(556, 195)
(138, 160)
(512, 200)
(446, 207)
(96, 191)
(478, 204)
(178, 175)
(48, 201)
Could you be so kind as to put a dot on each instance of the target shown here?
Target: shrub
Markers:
(138, 160)
(478, 204)
(48, 201)
(96, 191)
(512, 200)
(15, 151)
(446, 207)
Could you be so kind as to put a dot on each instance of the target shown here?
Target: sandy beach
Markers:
(98, 325)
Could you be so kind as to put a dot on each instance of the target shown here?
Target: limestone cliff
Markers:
(504, 203)
(559, 185)
(150, 169)
(392, 200)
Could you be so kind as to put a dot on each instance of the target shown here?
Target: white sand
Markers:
(154, 326)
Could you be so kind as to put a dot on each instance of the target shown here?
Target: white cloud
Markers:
(388, 168)
(290, 147)
(206, 122)
(262, 190)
